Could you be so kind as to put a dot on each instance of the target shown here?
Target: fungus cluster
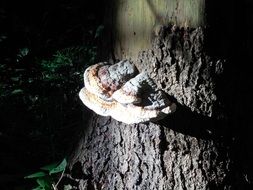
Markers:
(124, 94)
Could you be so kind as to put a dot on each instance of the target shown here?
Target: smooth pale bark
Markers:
(135, 23)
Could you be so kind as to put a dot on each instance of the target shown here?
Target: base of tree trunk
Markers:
(113, 155)
(186, 150)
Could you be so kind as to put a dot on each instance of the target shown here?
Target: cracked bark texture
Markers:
(183, 151)
(113, 155)
(179, 65)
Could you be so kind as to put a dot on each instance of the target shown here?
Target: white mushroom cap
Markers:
(114, 90)
(128, 113)
(130, 92)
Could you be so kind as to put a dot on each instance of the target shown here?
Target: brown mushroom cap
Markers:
(103, 79)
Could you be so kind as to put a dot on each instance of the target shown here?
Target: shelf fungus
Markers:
(124, 94)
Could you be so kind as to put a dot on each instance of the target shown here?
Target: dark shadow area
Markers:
(230, 29)
(193, 124)
(44, 48)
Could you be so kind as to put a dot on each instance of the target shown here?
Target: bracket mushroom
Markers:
(120, 92)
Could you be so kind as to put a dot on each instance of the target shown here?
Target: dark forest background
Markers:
(45, 47)
(44, 50)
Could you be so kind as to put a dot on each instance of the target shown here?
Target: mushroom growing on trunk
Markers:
(120, 92)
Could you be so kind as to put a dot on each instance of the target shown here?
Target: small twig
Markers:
(55, 186)
(70, 177)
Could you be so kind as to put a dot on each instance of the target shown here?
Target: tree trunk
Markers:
(186, 150)
(136, 23)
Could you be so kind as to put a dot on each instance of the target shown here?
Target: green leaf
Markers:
(38, 188)
(15, 79)
(36, 175)
(22, 53)
(49, 167)
(17, 91)
(99, 31)
(43, 182)
(61, 167)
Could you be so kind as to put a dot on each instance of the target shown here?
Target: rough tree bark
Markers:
(186, 150)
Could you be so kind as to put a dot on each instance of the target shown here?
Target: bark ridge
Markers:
(179, 65)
